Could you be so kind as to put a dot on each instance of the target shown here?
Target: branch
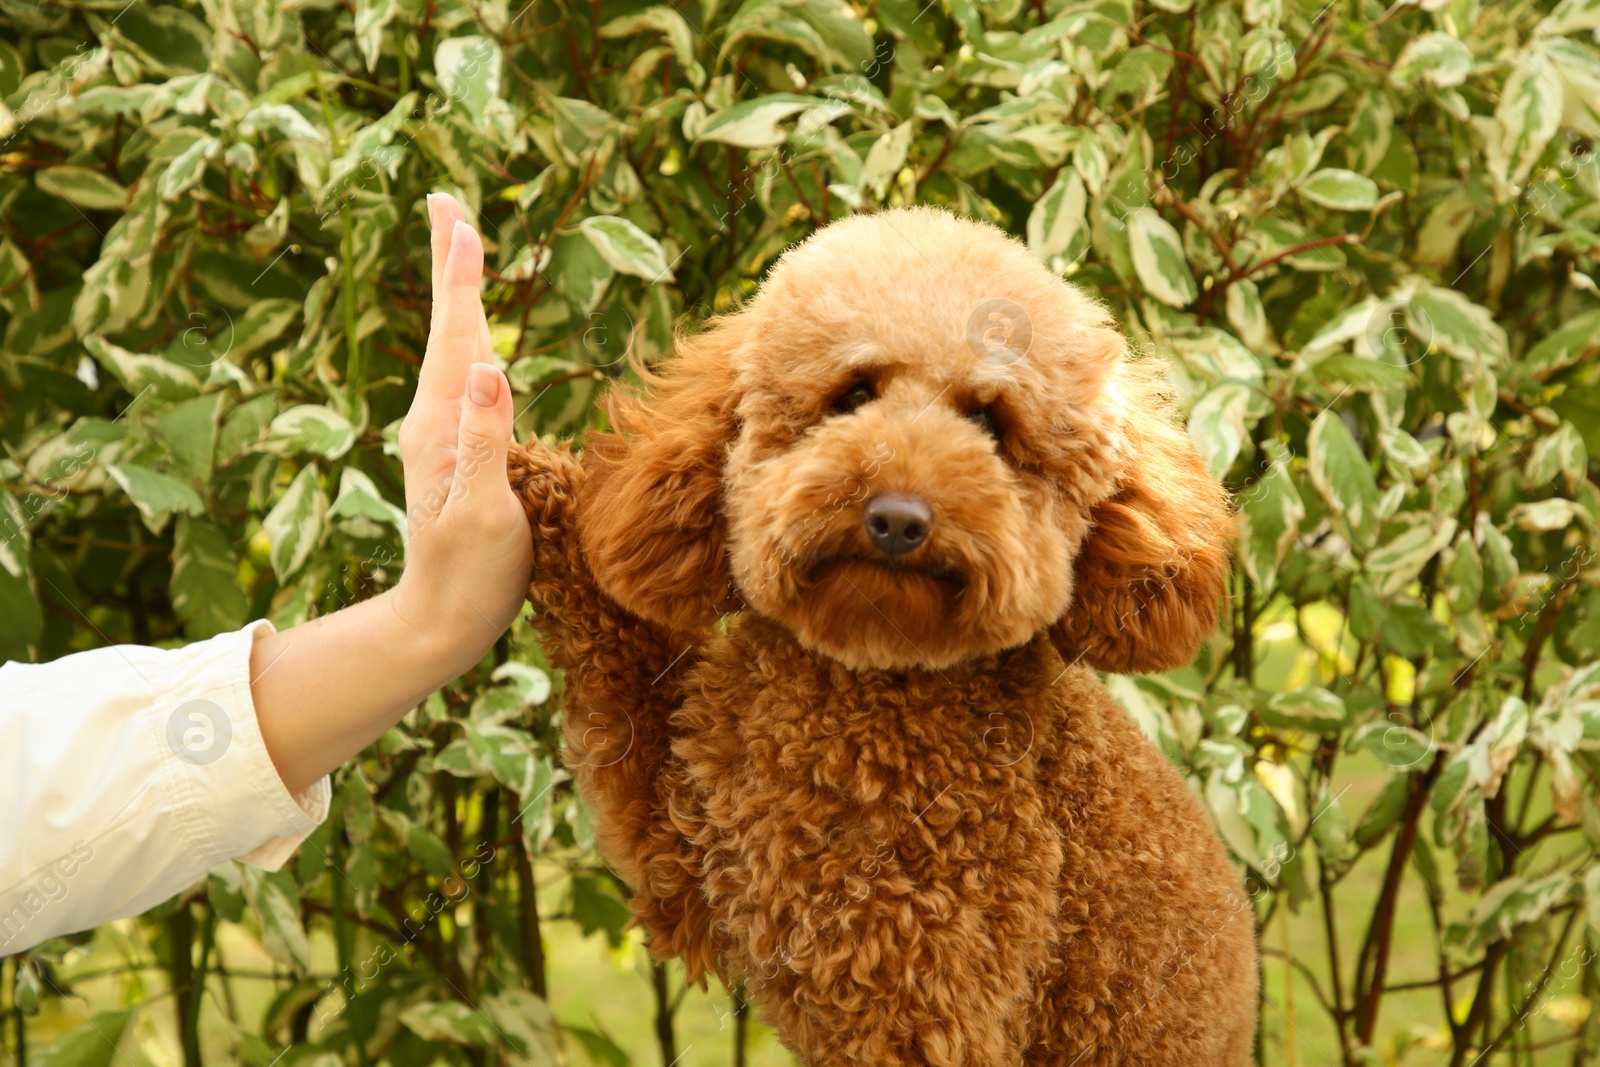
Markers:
(1375, 949)
(1341, 239)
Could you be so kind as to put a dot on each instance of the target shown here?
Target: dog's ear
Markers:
(649, 516)
(1154, 564)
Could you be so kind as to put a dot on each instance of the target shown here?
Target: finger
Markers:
(485, 435)
(454, 338)
(485, 341)
(444, 211)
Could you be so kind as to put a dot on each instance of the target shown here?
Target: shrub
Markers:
(1364, 237)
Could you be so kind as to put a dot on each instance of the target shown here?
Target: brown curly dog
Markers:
(829, 599)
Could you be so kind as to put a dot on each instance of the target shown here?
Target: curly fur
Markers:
(890, 795)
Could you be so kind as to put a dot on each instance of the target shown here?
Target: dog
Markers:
(830, 595)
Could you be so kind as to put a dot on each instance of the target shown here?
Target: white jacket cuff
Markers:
(229, 799)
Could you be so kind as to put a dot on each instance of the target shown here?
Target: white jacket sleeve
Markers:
(126, 773)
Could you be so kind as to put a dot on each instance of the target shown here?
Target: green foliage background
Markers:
(1364, 236)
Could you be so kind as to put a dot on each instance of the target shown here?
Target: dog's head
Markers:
(915, 445)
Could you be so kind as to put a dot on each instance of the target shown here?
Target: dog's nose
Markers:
(897, 522)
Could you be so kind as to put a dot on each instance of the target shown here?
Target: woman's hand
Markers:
(470, 555)
(326, 689)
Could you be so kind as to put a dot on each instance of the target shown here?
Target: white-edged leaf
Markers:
(359, 498)
(275, 898)
(156, 495)
(139, 373)
(1158, 258)
(468, 69)
(205, 583)
(754, 123)
(626, 247)
(89, 189)
(1217, 424)
(1272, 511)
(294, 525)
(1529, 113)
(1058, 224)
(312, 428)
(185, 172)
(371, 17)
(1445, 319)
(1246, 313)
(1436, 58)
(283, 120)
(1342, 190)
(1342, 475)
(452, 1021)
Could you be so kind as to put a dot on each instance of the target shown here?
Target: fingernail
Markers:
(483, 384)
(459, 235)
(433, 211)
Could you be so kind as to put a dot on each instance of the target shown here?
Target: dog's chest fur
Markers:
(850, 822)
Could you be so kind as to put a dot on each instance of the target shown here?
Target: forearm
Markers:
(326, 689)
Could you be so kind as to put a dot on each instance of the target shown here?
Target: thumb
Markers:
(485, 431)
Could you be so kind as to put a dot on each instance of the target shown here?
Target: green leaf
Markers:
(1217, 424)
(283, 120)
(1246, 315)
(225, 892)
(275, 901)
(829, 30)
(1529, 113)
(1313, 708)
(451, 1021)
(1435, 58)
(205, 584)
(468, 70)
(295, 523)
(1402, 556)
(1158, 259)
(1576, 339)
(1362, 373)
(1343, 476)
(94, 1044)
(156, 495)
(665, 20)
(314, 428)
(627, 248)
(1383, 813)
(185, 172)
(88, 189)
(754, 123)
(1272, 510)
(1514, 902)
(261, 325)
(1396, 745)
(360, 498)
(431, 852)
(1058, 224)
(167, 40)
(531, 685)
(1342, 190)
(137, 373)
(371, 18)
(1445, 319)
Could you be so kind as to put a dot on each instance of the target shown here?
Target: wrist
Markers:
(430, 633)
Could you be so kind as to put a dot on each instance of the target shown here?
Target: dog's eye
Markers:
(852, 398)
(987, 421)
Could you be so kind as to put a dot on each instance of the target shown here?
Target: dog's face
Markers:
(898, 451)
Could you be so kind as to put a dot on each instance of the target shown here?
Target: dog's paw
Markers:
(545, 479)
